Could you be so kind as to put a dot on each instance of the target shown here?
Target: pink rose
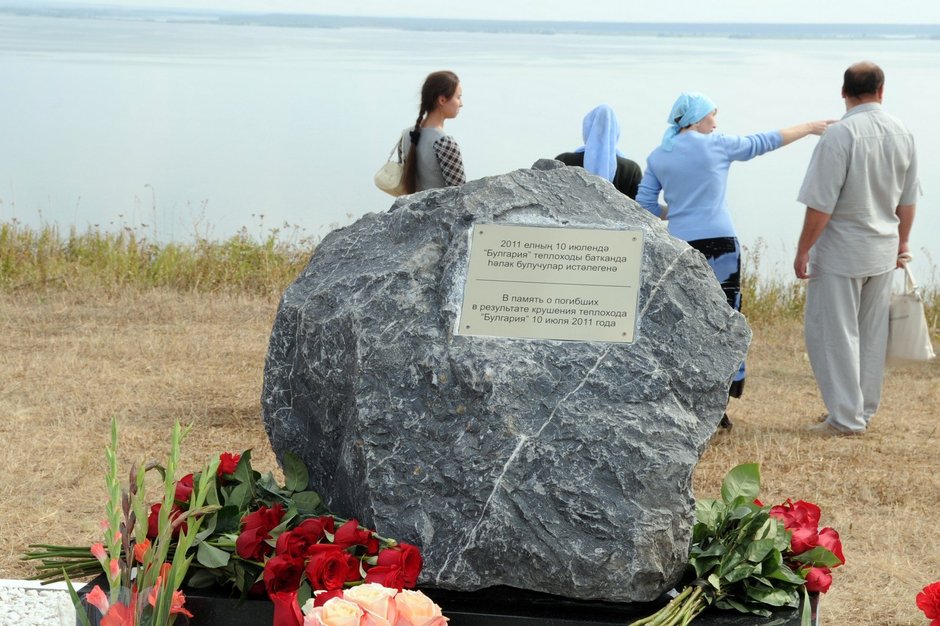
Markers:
(376, 601)
(335, 612)
(416, 609)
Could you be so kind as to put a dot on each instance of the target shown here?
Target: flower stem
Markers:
(680, 611)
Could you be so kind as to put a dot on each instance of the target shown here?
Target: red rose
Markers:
(321, 597)
(227, 463)
(390, 576)
(829, 539)
(286, 610)
(799, 514)
(803, 539)
(928, 601)
(282, 573)
(818, 579)
(251, 543)
(309, 532)
(355, 566)
(349, 534)
(184, 489)
(153, 520)
(327, 566)
(405, 556)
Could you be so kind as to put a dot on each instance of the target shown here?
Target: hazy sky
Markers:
(799, 11)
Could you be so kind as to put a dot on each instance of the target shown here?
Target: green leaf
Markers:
(227, 519)
(243, 472)
(739, 573)
(304, 593)
(707, 512)
(741, 482)
(818, 556)
(202, 579)
(774, 597)
(309, 503)
(757, 551)
(743, 607)
(785, 574)
(240, 497)
(296, 477)
(210, 556)
(806, 615)
(730, 562)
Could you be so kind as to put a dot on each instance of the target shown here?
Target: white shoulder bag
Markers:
(390, 177)
(908, 335)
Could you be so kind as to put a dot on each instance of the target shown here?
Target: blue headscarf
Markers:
(689, 108)
(600, 131)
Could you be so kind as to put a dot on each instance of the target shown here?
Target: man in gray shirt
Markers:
(860, 192)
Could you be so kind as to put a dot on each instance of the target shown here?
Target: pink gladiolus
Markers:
(114, 569)
(98, 599)
(119, 615)
(98, 551)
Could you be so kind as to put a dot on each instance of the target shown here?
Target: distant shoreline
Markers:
(743, 30)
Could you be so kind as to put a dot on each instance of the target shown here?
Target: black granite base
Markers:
(497, 606)
(504, 606)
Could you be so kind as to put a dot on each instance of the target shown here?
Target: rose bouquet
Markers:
(752, 558)
(928, 601)
(229, 526)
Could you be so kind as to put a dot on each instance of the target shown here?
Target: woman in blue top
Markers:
(690, 168)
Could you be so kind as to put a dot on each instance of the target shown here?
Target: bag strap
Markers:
(910, 285)
(394, 148)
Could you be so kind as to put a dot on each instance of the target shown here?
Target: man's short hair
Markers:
(862, 79)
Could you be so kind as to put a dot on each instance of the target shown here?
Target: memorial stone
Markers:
(544, 463)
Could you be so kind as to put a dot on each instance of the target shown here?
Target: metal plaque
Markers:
(576, 284)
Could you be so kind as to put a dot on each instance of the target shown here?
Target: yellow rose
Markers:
(416, 609)
(377, 601)
(334, 612)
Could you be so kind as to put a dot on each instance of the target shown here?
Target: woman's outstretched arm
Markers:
(799, 131)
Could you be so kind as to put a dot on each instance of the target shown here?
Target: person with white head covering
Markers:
(690, 169)
(600, 156)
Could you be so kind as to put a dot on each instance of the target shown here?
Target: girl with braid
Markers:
(432, 158)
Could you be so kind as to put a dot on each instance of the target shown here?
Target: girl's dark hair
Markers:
(443, 83)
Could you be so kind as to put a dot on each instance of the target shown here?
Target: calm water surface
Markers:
(202, 128)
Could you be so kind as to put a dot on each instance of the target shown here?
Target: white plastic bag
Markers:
(908, 335)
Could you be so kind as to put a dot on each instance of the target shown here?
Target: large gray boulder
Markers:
(555, 466)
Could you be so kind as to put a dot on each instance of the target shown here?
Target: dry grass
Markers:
(71, 360)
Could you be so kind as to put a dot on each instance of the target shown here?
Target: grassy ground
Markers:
(81, 346)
